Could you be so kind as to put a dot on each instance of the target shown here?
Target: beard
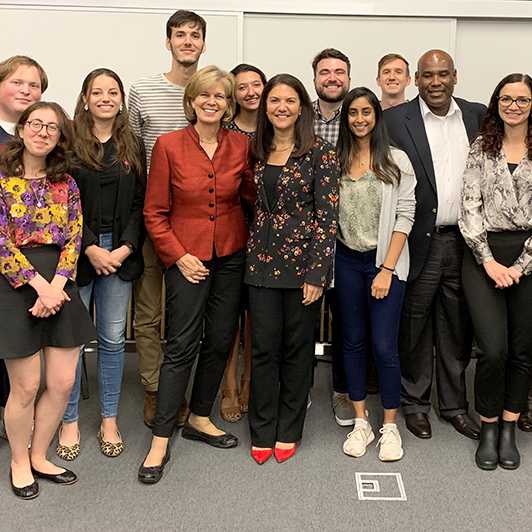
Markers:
(185, 62)
(322, 95)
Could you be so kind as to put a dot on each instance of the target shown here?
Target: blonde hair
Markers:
(8, 67)
(204, 79)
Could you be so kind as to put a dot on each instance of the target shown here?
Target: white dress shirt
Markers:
(449, 147)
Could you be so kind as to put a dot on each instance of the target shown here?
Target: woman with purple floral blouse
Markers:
(40, 308)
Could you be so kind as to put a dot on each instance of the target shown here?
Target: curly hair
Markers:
(58, 161)
(491, 132)
(87, 148)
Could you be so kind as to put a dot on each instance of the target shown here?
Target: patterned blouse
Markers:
(37, 212)
(233, 127)
(494, 200)
(292, 241)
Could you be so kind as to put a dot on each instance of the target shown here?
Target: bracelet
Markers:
(386, 268)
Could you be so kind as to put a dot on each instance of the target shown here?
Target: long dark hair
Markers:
(57, 162)
(88, 148)
(347, 148)
(244, 67)
(492, 129)
(305, 138)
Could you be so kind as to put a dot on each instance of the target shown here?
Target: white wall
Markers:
(122, 35)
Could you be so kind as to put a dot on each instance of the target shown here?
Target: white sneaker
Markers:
(391, 443)
(359, 438)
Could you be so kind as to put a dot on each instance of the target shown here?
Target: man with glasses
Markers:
(435, 130)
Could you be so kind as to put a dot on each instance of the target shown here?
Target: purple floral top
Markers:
(36, 212)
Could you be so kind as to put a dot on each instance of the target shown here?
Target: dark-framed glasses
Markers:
(37, 125)
(522, 101)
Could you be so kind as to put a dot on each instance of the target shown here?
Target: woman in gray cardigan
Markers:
(377, 205)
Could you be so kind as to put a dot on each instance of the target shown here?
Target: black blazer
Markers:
(128, 224)
(407, 130)
(292, 241)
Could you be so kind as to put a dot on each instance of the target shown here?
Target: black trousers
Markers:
(435, 319)
(338, 372)
(282, 359)
(210, 310)
(502, 319)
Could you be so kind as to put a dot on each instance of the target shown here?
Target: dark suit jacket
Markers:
(407, 130)
(5, 137)
(128, 224)
(193, 203)
(292, 242)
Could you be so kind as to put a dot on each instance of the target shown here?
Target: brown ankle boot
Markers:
(149, 408)
(525, 419)
(182, 415)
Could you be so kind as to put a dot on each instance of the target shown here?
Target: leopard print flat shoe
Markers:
(110, 449)
(67, 452)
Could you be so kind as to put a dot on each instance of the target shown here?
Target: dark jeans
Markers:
(207, 310)
(502, 319)
(435, 319)
(282, 360)
(355, 272)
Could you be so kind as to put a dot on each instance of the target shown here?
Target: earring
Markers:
(86, 107)
(121, 108)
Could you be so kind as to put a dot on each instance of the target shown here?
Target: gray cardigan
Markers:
(397, 213)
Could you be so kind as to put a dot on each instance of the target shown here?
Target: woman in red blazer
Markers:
(193, 213)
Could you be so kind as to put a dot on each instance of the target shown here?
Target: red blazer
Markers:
(194, 204)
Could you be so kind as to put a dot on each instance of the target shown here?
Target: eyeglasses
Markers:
(37, 125)
(522, 102)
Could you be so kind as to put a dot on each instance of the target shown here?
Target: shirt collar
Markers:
(453, 108)
(320, 116)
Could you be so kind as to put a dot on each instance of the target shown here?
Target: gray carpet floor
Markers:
(207, 489)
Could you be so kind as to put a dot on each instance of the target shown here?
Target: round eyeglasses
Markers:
(522, 102)
(37, 125)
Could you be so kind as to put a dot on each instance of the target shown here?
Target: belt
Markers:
(439, 229)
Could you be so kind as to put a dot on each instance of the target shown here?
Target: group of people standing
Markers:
(251, 184)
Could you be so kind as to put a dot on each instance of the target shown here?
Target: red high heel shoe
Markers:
(284, 454)
(261, 455)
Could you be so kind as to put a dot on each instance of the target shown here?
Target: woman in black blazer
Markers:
(111, 176)
(289, 261)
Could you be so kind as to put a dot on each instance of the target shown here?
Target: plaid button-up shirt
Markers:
(327, 129)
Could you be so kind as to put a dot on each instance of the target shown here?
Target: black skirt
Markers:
(21, 333)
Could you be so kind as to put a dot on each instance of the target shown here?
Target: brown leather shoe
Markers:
(525, 419)
(465, 426)
(182, 415)
(149, 408)
(419, 425)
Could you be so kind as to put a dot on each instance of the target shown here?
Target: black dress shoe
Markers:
(66, 477)
(525, 419)
(225, 441)
(465, 426)
(508, 454)
(27, 492)
(487, 455)
(419, 425)
(152, 475)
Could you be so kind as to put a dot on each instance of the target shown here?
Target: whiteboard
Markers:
(489, 50)
(285, 43)
(71, 43)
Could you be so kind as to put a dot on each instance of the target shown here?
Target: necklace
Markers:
(206, 141)
(276, 148)
(37, 190)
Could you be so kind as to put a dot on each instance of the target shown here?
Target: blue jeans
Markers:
(111, 297)
(354, 274)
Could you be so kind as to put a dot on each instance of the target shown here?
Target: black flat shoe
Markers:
(27, 492)
(224, 441)
(487, 455)
(65, 478)
(152, 475)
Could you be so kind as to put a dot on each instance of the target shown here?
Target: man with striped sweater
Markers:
(156, 107)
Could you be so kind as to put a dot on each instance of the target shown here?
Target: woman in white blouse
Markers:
(496, 221)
